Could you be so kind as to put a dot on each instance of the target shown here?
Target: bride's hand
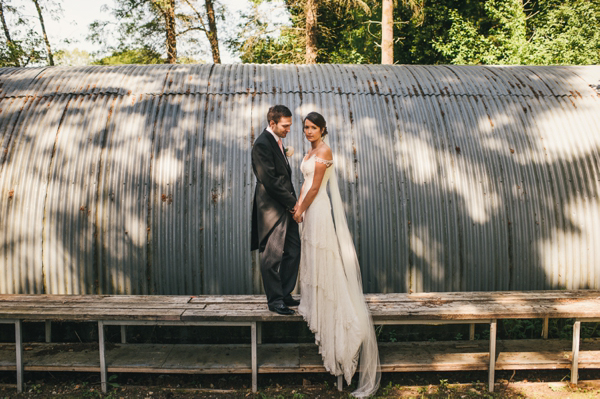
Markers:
(298, 216)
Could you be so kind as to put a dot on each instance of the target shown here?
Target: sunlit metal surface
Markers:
(137, 179)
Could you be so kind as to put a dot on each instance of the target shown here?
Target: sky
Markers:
(78, 14)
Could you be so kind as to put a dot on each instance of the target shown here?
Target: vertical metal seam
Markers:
(96, 233)
(44, 220)
(151, 193)
(201, 234)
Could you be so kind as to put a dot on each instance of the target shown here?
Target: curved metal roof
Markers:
(137, 179)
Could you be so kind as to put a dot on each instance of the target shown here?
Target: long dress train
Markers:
(332, 301)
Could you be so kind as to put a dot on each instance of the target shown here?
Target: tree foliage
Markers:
(22, 44)
(445, 31)
(341, 34)
(540, 33)
(75, 57)
(149, 27)
(144, 55)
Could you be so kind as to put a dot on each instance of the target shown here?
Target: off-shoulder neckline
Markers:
(315, 156)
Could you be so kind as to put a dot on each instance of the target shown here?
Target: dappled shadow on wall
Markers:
(454, 178)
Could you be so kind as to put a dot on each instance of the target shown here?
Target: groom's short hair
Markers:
(276, 112)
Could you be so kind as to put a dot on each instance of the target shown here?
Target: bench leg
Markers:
(123, 334)
(48, 331)
(492, 369)
(340, 383)
(472, 331)
(254, 355)
(574, 365)
(259, 332)
(545, 328)
(103, 370)
(19, 349)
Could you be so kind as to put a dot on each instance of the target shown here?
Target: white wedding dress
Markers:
(332, 301)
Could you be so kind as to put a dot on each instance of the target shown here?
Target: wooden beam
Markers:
(19, 354)
(103, 371)
(574, 366)
(492, 369)
(254, 360)
(545, 328)
(529, 354)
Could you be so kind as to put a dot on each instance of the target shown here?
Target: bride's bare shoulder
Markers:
(324, 152)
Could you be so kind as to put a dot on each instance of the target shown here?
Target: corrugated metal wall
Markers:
(138, 180)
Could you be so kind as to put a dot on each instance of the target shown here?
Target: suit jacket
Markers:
(274, 195)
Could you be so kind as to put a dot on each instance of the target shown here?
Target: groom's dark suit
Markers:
(274, 231)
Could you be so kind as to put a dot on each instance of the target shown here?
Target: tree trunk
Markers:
(212, 32)
(387, 32)
(6, 32)
(310, 10)
(48, 49)
(169, 13)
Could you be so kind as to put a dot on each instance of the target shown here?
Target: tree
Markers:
(20, 48)
(198, 23)
(46, 41)
(4, 25)
(212, 31)
(514, 32)
(132, 56)
(341, 33)
(434, 32)
(161, 26)
(310, 11)
(387, 32)
(311, 18)
(387, 25)
(72, 57)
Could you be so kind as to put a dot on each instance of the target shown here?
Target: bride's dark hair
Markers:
(318, 120)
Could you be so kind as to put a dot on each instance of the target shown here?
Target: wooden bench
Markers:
(251, 311)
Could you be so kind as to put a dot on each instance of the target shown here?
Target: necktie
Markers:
(281, 146)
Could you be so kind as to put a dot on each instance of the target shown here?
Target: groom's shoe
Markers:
(281, 309)
(291, 302)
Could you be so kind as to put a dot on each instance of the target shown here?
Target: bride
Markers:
(332, 301)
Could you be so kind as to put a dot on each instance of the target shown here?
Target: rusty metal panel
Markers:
(123, 197)
(33, 125)
(70, 228)
(137, 179)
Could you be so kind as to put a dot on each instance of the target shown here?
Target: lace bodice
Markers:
(308, 171)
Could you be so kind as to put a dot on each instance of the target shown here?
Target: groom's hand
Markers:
(298, 218)
(293, 210)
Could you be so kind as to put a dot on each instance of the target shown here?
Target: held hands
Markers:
(297, 214)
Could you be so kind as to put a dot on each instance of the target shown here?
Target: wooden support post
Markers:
(574, 365)
(123, 334)
(340, 382)
(545, 328)
(492, 369)
(48, 331)
(472, 331)
(253, 337)
(19, 349)
(103, 369)
(259, 332)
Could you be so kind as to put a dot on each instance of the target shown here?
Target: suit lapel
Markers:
(278, 150)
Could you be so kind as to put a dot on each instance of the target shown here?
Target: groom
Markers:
(274, 231)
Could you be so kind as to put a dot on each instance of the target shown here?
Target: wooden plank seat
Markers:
(251, 311)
